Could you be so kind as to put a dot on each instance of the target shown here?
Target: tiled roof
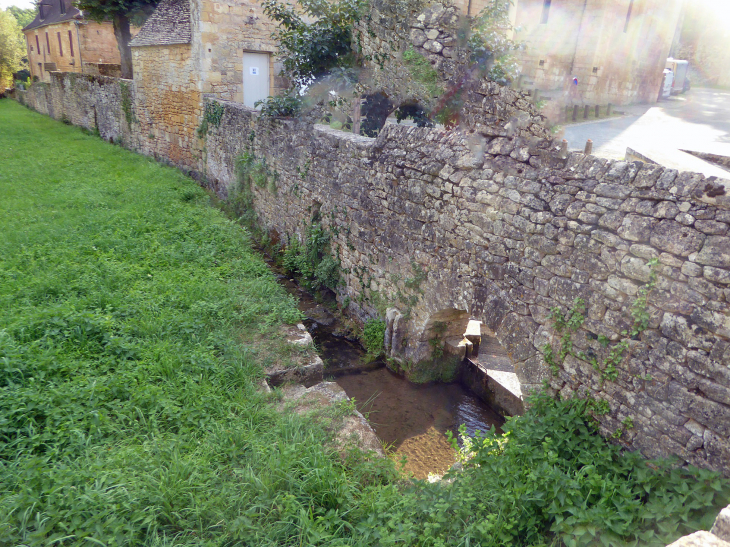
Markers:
(54, 11)
(169, 24)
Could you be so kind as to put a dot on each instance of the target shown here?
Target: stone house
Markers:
(191, 48)
(61, 39)
(617, 49)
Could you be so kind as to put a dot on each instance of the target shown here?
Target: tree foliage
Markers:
(122, 13)
(314, 36)
(11, 47)
(23, 16)
(489, 44)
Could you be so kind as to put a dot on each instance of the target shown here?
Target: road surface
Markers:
(698, 120)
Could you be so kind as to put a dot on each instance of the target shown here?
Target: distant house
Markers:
(617, 50)
(60, 38)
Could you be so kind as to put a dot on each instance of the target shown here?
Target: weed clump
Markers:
(373, 336)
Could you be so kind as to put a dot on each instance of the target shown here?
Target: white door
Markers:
(255, 77)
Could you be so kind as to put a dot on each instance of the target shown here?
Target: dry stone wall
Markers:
(92, 102)
(506, 228)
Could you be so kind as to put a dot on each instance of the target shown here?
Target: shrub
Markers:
(373, 336)
(287, 105)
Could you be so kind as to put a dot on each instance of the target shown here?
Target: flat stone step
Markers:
(499, 388)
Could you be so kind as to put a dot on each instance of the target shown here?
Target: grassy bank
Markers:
(133, 322)
(128, 410)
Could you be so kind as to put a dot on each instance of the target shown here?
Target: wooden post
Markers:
(589, 147)
(609, 108)
(586, 110)
(356, 116)
(598, 111)
(575, 113)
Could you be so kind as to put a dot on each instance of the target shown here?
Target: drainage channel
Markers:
(411, 420)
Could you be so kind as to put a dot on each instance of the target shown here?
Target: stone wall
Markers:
(427, 222)
(167, 104)
(92, 102)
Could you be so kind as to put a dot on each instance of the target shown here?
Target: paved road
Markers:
(698, 120)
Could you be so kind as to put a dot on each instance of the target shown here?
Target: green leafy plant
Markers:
(309, 50)
(212, 116)
(287, 105)
(568, 324)
(313, 260)
(373, 336)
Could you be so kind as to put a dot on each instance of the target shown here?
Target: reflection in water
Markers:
(413, 419)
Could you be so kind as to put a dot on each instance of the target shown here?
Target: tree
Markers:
(311, 50)
(121, 13)
(11, 48)
(23, 16)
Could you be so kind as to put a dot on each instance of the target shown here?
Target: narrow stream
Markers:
(410, 419)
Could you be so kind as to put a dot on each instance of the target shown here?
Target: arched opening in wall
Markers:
(462, 348)
(377, 108)
(374, 111)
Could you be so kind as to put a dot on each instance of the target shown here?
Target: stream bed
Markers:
(410, 419)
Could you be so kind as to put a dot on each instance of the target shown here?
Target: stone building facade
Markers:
(616, 48)
(227, 36)
(61, 39)
(167, 85)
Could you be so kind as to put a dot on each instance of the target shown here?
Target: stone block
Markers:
(721, 527)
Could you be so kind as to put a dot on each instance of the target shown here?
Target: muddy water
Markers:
(411, 419)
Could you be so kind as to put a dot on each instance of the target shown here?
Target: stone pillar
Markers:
(474, 335)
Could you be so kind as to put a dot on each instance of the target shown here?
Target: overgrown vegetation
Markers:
(287, 105)
(313, 260)
(212, 116)
(127, 103)
(131, 315)
(422, 72)
(556, 481)
(310, 50)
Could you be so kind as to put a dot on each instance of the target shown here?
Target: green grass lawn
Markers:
(133, 321)
(128, 408)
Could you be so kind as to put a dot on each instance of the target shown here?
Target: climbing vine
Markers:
(126, 95)
(566, 324)
(212, 115)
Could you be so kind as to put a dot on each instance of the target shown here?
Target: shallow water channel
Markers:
(410, 419)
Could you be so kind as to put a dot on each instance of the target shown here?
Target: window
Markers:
(41, 12)
(63, 7)
(37, 44)
(71, 43)
(48, 44)
(60, 45)
(545, 11)
(628, 15)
